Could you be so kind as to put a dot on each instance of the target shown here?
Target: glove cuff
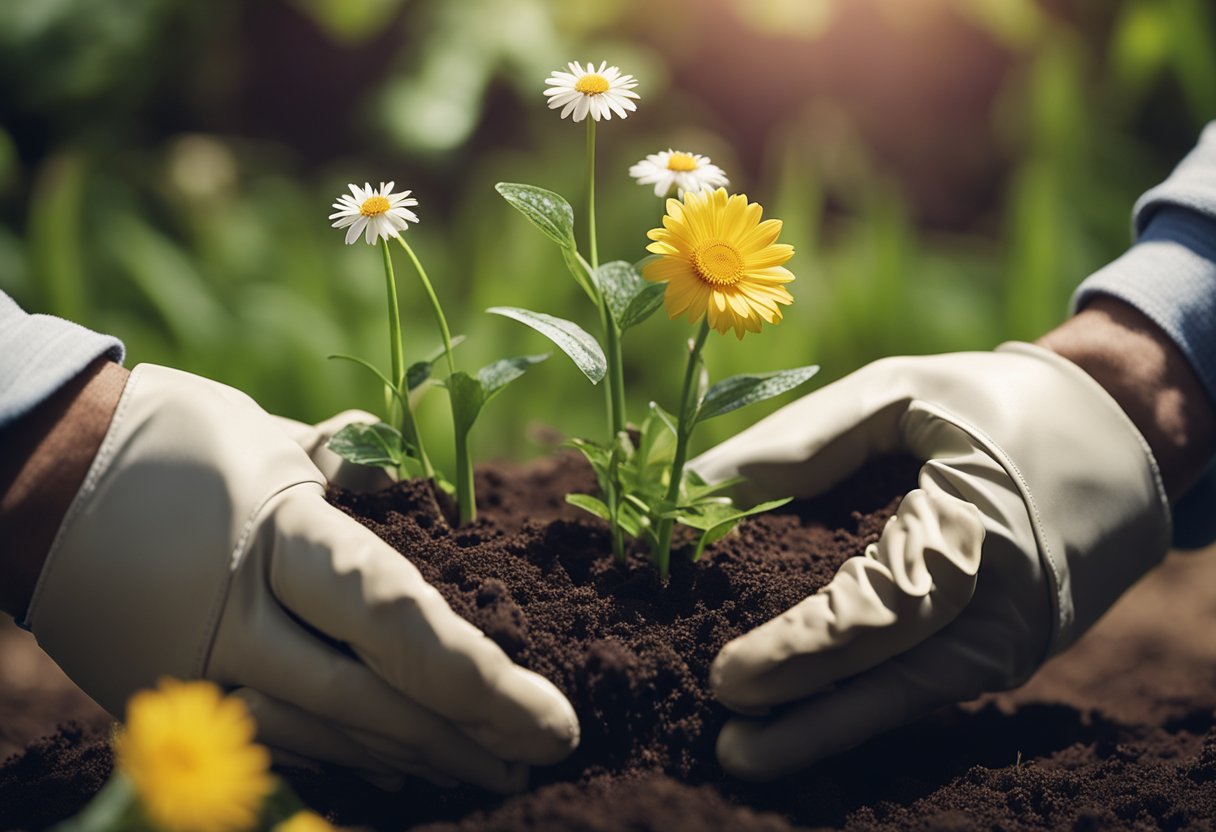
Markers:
(136, 578)
(1098, 529)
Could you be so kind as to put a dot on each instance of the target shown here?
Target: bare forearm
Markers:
(1148, 376)
(46, 455)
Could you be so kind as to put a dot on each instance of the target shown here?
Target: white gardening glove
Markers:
(200, 545)
(1038, 504)
(314, 439)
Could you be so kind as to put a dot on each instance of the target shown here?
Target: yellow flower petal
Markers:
(721, 261)
(189, 755)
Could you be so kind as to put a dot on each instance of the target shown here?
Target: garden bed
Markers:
(633, 657)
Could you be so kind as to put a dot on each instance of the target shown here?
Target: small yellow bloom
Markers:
(304, 821)
(189, 753)
(719, 259)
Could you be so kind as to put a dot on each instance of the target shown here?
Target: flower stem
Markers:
(683, 432)
(615, 387)
(400, 410)
(396, 349)
(466, 497)
(592, 244)
(440, 319)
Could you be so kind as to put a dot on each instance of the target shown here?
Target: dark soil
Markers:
(633, 656)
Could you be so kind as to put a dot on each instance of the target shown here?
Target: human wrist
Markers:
(47, 454)
(1151, 380)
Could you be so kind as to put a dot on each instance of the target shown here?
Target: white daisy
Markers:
(600, 92)
(373, 212)
(686, 172)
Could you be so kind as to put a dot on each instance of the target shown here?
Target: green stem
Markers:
(466, 497)
(440, 319)
(683, 432)
(396, 349)
(593, 246)
(400, 410)
(615, 387)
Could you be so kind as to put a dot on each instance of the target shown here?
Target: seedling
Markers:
(377, 214)
(714, 261)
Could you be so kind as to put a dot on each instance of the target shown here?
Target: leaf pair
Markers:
(383, 445)
(625, 294)
(472, 393)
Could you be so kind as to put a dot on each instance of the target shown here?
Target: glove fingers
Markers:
(296, 737)
(914, 581)
(935, 673)
(314, 439)
(443, 765)
(346, 582)
(336, 689)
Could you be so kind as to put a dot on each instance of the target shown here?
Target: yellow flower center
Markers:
(682, 162)
(717, 263)
(591, 84)
(374, 206)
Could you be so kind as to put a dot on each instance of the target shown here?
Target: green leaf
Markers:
(573, 340)
(470, 394)
(494, 377)
(665, 417)
(697, 489)
(642, 305)
(380, 445)
(588, 503)
(419, 372)
(546, 210)
(656, 439)
(596, 454)
(468, 397)
(631, 521)
(737, 391)
(717, 520)
(631, 299)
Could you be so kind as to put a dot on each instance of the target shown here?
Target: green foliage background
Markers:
(948, 171)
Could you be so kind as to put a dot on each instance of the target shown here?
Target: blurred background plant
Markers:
(947, 170)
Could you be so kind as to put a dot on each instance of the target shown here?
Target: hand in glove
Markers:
(1038, 504)
(200, 545)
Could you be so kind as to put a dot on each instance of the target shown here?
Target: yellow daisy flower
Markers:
(189, 754)
(719, 259)
(305, 821)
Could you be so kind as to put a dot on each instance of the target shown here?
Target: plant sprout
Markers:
(713, 261)
(622, 299)
(379, 214)
(724, 267)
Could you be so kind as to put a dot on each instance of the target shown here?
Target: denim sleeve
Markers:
(41, 353)
(1170, 276)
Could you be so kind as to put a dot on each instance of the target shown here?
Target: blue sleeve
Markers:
(41, 353)
(1170, 276)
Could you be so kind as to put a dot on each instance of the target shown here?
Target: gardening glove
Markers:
(200, 545)
(1037, 505)
(314, 439)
